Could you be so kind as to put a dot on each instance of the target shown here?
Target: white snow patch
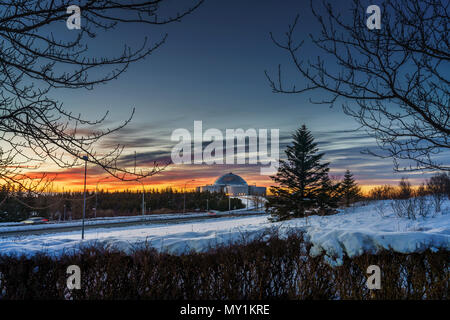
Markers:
(350, 232)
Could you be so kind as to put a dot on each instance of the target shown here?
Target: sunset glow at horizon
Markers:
(212, 71)
(176, 179)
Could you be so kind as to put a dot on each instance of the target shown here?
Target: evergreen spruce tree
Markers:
(350, 191)
(299, 178)
(328, 196)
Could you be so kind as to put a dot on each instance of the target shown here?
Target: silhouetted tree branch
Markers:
(34, 127)
(393, 81)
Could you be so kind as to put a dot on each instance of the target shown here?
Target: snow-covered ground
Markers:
(18, 226)
(352, 232)
(248, 201)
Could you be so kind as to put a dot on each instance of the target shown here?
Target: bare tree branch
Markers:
(36, 128)
(393, 81)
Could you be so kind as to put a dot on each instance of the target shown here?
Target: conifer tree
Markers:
(299, 177)
(328, 197)
(350, 191)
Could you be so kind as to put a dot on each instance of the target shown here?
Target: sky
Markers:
(211, 69)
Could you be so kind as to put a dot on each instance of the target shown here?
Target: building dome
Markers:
(230, 179)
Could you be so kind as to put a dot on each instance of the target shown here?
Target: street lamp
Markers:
(143, 197)
(95, 208)
(64, 205)
(184, 192)
(85, 158)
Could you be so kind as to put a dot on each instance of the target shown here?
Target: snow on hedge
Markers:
(364, 228)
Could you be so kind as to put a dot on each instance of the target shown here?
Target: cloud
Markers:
(343, 148)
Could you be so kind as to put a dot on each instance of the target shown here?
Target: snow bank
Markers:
(350, 232)
(173, 238)
(18, 226)
(363, 229)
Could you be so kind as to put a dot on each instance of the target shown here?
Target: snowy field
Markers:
(18, 226)
(352, 232)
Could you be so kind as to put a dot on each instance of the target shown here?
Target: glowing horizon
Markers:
(176, 179)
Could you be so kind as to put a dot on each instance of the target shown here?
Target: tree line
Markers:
(17, 204)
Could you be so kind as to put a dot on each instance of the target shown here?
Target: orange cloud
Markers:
(175, 176)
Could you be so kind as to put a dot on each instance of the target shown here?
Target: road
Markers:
(116, 224)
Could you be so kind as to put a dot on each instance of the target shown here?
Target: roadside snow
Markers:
(351, 232)
(174, 238)
(18, 226)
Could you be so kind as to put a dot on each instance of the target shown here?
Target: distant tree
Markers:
(328, 196)
(349, 189)
(299, 177)
(439, 187)
(405, 190)
(382, 193)
(439, 183)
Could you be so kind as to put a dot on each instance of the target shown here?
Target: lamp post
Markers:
(143, 203)
(143, 198)
(95, 208)
(184, 193)
(85, 158)
(64, 205)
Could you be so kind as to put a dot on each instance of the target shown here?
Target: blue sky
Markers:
(212, 69)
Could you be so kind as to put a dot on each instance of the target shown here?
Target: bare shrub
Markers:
(382, 193)
(380, 208)
(404, 204)
(404, 208)
(273, 269)
(422, 201)
(404, 189)
(407, 203)
(412, 208)
(438, 186)
(423, 206)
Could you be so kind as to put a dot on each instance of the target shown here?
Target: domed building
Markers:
(234, 185)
